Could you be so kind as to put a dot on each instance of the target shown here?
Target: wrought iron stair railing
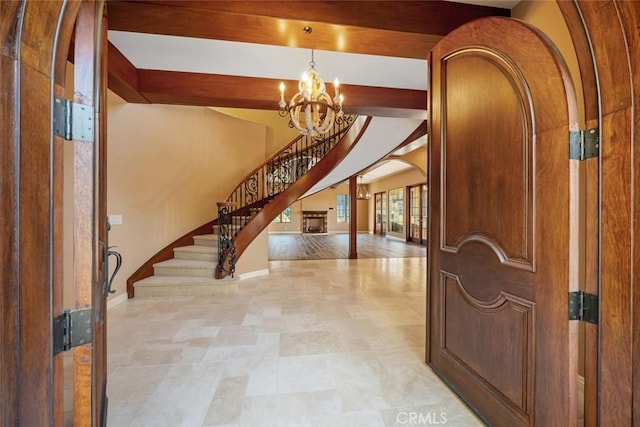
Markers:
(265, 183)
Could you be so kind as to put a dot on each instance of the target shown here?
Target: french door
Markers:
(380, 223)
(417, 232)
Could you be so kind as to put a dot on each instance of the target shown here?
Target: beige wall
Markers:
(417, 158)
(167, 168)
(323, 201)
(278, 132)
(403, 179)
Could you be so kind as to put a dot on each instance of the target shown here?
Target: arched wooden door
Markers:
(501, 226)
(35, 40)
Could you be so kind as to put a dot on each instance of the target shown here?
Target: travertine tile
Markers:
(226, 406)
(316, 343)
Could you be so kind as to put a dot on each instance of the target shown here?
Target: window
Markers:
(285, 216)
(342, 209)
(396, 210)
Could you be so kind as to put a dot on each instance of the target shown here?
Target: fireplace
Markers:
(314, 221)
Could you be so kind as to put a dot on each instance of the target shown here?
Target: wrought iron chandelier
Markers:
(312, 111)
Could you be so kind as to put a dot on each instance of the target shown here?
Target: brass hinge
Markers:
(73, 122)
(71, 329)
(584, 144)
(583, 306)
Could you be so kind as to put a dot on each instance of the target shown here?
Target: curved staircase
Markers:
(195, 263)
(189, 272)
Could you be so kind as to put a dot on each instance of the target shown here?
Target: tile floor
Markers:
(315, 343)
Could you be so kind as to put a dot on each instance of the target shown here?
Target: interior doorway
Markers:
(380, 215)
(418, 210)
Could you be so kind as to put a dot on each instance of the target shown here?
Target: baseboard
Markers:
(252, 274)
(112, 302)
(286, 232)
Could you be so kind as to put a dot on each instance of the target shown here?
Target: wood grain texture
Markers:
(123, 77)
(353, 214)
(613, 34)
(173, 87)
(471, 186)
(10, 20)
(101, 242)
(85, 198)
(403, 29)
(630, 16)
(9, 237)
(516, 243)
(581, 44)
(425, 17)
(574, 21)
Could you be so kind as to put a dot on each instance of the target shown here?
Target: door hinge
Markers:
(71, 329)
(584, 144)
(583, 306)
(73, 121)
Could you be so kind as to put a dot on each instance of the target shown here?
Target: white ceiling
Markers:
(380, 138)
(161, 52)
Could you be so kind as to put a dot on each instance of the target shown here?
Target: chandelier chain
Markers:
(312, 63)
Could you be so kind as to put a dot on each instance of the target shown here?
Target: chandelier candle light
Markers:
(312, 111)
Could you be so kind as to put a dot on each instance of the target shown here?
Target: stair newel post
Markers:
(226, 248)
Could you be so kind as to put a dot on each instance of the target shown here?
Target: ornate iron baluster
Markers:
(225, 238)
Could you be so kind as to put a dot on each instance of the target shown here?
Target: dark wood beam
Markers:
(422, 17)
(402, 29)
(353, 217)
(172, 87)
(123, 76)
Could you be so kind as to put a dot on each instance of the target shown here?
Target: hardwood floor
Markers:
(336, 246)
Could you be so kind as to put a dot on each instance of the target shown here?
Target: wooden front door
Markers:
(502, 233)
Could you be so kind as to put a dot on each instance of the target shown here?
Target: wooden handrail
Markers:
(277, 155)
(285, 198)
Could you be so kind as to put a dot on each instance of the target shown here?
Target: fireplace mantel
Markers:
(314, 221)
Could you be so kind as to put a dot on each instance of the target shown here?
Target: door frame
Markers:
(31, 159)
(605, 33)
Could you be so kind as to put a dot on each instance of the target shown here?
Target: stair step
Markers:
(206, 240)
(185, 267)
(184, 286)
(196, 252)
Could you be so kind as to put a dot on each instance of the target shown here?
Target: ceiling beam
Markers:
(182, 88)
(423, 17)
(401, 29)
(123, 76)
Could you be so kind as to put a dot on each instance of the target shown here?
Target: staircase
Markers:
(193, 265)
(189, 272)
